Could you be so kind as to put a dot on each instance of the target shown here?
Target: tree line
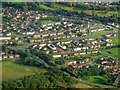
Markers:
(51, 79)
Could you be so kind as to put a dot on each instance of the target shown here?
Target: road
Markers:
(92, 83)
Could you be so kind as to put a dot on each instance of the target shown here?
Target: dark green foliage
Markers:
(35, 61)
(108, 79)
(50, 79)
(91, 71)
(46, 57)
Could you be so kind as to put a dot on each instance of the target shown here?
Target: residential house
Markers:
(77, 48)
(11, 57)
(70, 62)
(30, 33)
(57, 23)
(50, 27)
(17, 56)
(45, 35)
(56, 55)
(88, 52)
(102, 29)
(64, 55)
(94, 51)
(66, 42)
(37, 36)
(109, 44)
(108, 35)
(5, 57)
(52, 47)
(85, 47)
(82, 53)
(46, 51)
(76, 54)
(93, 42)
(5, 38)
(94, 30)
(60, 33)
(19, 42)
(95, 46)
(42, 44)
(62, 46)
(52, 34)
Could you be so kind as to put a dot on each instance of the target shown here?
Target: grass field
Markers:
(90, 12)
(111, 52)
(81, 85)
(23, 45)
(96, 79)
(101, 32)
(44, 21)
(115, 40)
(97, 56)
(99, 37)
(12, 70)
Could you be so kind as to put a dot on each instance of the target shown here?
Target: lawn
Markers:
(81, 85)
(99, 37)
(97, 56)
(101, 32)
(115, 40)
(12, 70)
(23, 45)
(111, 52)
(45, 7)
(44, 21)
(59, 6)
(112, 12)
(96, 79)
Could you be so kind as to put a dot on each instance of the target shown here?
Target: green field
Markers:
(90, 12)
(44, 21)
(23, 45)
(99, 37)
(111, 52)
(12, 70)
(97, 56)
(96, 79)
(115, 40)
(101, 32)
(81, 85)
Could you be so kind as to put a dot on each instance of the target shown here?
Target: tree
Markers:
(25, 8)
(5, 85)
(33, 85)
(107, 9)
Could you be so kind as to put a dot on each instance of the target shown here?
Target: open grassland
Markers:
(113, 52)
(81, 85)
(12, 70)
(101, 32)
(97, 79)
(96, 56)
(23, 45)
(45, 7)
(94, 79)
(45, 21)
(90, 12)
(115, 40)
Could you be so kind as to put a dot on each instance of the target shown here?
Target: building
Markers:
(56, 55)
